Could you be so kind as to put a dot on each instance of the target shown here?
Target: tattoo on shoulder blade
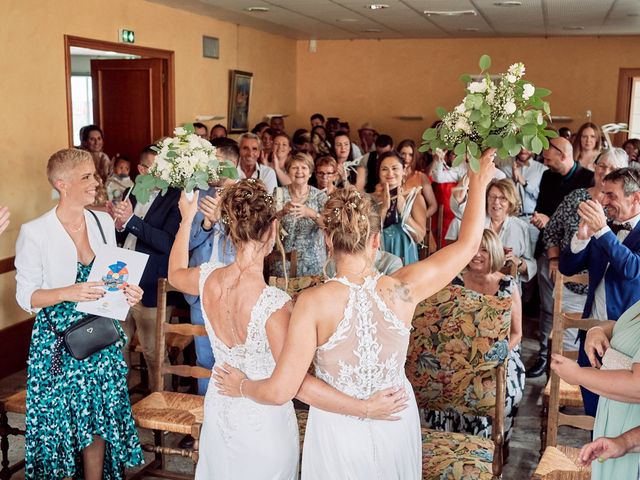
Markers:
(403, 292)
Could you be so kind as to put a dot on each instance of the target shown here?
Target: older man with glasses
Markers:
(563, 176)
(610, 249)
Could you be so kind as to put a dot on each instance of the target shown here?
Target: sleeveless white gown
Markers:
(364, 355)
(241, 439)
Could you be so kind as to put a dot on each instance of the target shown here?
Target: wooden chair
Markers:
(15, 403)
(163, 411)
(275, 258)
(558, 459)
(457, 362)
(439, 233)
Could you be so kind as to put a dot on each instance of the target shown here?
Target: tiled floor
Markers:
(525, 442)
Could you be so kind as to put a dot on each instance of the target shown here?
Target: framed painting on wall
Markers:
(239, 96)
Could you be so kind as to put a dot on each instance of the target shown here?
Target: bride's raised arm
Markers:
(430, 275)
(296, 341)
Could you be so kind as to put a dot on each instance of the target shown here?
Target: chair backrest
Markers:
(458, 352)
(294, 285)
(163, 329)
(561, 321)
(439, 233)
(275, 258)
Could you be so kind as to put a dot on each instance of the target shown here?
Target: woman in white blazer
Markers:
(78, 422)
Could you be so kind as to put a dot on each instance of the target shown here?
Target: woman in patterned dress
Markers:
(299, 206)
(483, 275)
(78, 419)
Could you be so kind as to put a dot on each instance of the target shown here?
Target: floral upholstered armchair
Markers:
(457, 362)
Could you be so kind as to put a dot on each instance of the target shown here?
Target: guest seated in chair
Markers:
(617, 380)
(483, 276)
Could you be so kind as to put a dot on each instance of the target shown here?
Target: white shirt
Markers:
(532, 174)
(599, 307)
(46, 257)
(264, 173)
(140, 210)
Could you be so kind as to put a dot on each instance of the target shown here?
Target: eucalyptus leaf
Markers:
(429, 134)
(466, 78)
(513, 151)
(545, 107)
(459, 160)
(425, 147)
(550, 133)
(509, 141)
(460, 149)
(190, 185)
(485, 122)
(494, 141)
(485, 109)
(536, 145)
(542, 92)
(503, 153)
(473, 149)
(441, 112)
(141, 193)
(172, 154)
(545, 142)
(474, 164)
(500, 122)
(529, 129)
(475, 115)
(162, 185)
(526, 141)
(189, 128)
(485, 62)
(155, 148)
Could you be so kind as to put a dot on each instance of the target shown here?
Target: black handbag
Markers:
(87, 336)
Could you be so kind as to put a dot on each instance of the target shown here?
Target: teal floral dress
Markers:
(88, 397)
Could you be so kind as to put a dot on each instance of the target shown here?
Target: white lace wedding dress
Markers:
(364, 355)
(241, 439)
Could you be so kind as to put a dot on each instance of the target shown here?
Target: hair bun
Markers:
(346, 219)
(246, 210)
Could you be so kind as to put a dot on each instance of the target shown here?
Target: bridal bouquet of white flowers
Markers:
(184, 161)
(507, 113)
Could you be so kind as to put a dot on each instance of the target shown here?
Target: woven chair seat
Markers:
(302, 425)
(169, 411)
(570, 395)
(456, 455)
(561, 463)
(16, 403)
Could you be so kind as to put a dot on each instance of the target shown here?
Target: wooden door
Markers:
(128, 104)
(623, 110)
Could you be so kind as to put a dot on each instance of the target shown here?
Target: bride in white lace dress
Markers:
(355, 329)
(247, 322)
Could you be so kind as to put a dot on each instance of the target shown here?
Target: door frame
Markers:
(623, 105)
(167, 57)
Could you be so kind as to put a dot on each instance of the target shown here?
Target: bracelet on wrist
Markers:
(241, 383)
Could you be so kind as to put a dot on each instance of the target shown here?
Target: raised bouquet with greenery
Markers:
(184, 161)
(507, 113)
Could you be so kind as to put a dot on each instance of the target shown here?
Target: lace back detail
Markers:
(366, 352)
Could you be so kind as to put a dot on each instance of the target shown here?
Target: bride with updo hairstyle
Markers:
(247, 324)
(355, 329)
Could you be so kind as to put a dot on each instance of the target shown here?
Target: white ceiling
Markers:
(350, 19)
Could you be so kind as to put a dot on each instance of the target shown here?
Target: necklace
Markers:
(300, 198)
(73, 229)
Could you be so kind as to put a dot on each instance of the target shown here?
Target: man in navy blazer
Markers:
(148, 228)
(611, 253)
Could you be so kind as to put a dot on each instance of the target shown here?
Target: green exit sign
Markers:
(127, 36)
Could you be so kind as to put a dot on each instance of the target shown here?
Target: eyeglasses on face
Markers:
(325, 174)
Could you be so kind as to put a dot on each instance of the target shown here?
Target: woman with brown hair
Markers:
(326, 172)
(277, 159)
(587, 145)
(355, 328)
(247, 323)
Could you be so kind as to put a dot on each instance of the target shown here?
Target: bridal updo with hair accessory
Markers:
(347, 217)
(246, 211)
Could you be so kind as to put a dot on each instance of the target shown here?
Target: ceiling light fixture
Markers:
(376, 6)
(633, 14)
(508, 3)
(257, 9)
(573, 27)
(449, 13)
(347, 20)
(372, 30)
(470, 29)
